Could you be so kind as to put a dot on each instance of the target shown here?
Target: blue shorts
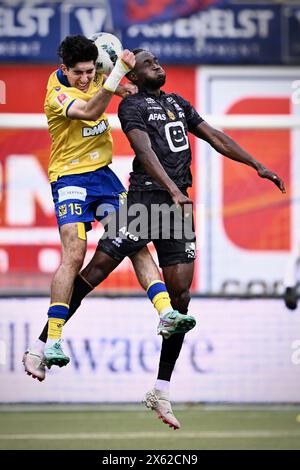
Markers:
(87, 196)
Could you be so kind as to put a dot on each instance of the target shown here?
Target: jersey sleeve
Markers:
(131, 115)
(191, 115)
(60, 101)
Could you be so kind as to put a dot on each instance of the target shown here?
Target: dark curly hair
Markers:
(74, 49)
(138, 50)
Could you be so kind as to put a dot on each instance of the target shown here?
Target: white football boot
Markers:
(159, 402)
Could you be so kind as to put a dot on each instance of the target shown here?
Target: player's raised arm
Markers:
(141, 144)
(223, 144)
(91, 110)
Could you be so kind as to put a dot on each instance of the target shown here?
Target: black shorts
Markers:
(151, 216)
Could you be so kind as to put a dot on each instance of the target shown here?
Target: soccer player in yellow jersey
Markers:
(84, 189)
(82, 183)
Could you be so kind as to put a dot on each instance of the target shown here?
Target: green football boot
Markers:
(54, 355)
(174, 322)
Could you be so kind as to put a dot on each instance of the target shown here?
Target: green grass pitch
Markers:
(126, 427)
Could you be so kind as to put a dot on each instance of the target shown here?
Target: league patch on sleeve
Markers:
(62, 98)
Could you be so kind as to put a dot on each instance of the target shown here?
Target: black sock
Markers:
(81, 289)
(170, 350)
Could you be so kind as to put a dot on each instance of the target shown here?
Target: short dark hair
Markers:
(75, 49)
(138, 50)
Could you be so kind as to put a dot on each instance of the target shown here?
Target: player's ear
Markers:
(131, 76)
(64, 68)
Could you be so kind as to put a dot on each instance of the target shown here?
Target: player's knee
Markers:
(95, 274)
(180, 300)
(73, 261)
(100, 266)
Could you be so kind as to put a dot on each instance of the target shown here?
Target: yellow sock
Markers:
(159, 296)
(55, 328)
(57, 315)
(162, 302)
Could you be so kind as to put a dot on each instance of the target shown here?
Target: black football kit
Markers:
(166, 119)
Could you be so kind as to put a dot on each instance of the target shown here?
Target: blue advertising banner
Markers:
(33, 33)
(260, 34)
(233, 34)
(291, 31)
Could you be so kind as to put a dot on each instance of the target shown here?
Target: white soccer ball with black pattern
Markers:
(109, 48)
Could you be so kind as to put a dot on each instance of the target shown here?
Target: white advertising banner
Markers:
(239, 351)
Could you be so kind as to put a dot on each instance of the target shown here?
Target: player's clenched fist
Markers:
(128, 57)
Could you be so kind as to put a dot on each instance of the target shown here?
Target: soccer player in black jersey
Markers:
(157, 126)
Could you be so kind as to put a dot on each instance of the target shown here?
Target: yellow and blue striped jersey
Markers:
(77, 146)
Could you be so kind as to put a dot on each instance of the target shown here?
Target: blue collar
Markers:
(62, 78)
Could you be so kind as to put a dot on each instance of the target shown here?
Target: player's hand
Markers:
(126, 89)
(180, 199)
(128, 58)
(265, 173)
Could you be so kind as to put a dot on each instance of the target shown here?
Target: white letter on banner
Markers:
(264, 17)
(91, 20)
(27, 184)
(29, 27)
(43, 16)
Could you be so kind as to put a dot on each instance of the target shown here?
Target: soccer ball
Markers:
(109, 48)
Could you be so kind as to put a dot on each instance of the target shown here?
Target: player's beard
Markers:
(155, 83)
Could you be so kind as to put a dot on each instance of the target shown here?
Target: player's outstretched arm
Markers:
(223, 144)
(141, 144)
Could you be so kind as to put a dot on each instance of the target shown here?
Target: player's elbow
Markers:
(83, 114)
(143, 156)
(222, 145)
(93, 117)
